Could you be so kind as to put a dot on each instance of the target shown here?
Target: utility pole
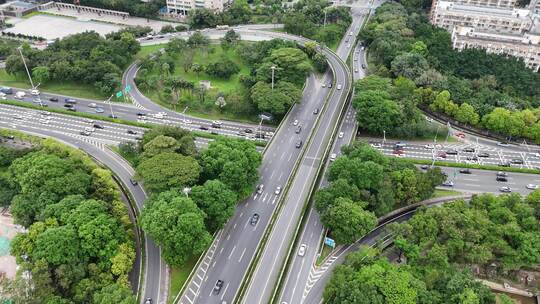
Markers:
(110, 105)
(184, 114)
(26, 67)
(324, 22)
(273, 68)
(383, 137)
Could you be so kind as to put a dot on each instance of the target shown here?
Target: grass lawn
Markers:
(67, 88)
(179, 276)
(207, 109)
(324, 253)
(442, 193)
(148, 49)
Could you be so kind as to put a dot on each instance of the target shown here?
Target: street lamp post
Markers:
(184, 115)
(273, 68)
(26, 67)
(186, 191)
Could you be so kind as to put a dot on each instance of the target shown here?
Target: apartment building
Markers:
(525, 46)
(447, 14)
(182, 7)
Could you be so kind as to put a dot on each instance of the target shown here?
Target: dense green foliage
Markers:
(383, 105)
(83, 58)
(368, 278)
(492, 232)
(490, 91)
(496, 235)
(244, 92)
(365, 184)
(307, 18)
(192, 194)
(79, 241)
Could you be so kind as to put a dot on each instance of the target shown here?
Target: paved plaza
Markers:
(52, 27)
(7, 231)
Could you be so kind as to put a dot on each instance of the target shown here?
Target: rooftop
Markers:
(481, 10)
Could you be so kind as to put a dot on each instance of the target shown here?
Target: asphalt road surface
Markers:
(296, 283)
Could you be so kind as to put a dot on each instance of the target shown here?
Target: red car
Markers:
(441, 155)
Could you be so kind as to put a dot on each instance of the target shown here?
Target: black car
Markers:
(141, 114)
(452, 152)
(131, 132)
(424, 167)
(468, 150)
(299, 144)
(472, 158)
(203, 127)
(298, 130)
(502, 178)
(215, 125)
(465, 171)
(133, 182)
(248, 130)
(218, 286)
(517, 161)
(98, 126)
(254, 219)
(504, 164)
(113, 116)
(483, 154)
(53, 99)
(316, 111)
(67, 105)
(260, 135)
(363, 66)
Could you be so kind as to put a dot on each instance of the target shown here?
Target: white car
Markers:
(448, 184)
(278, 190)
(89, 129)
(535, 154)
(34, 92)
(363, 48)
(187, 121)
(339, 87)
(340, 135)
(92, 105)
(20, 95)
(532, 186)
(44, 121)
(333, 157)
(295, 122)
(324, 85)
(158, 116)
(88, 120)
(376, 146)
(302, 250)
(429, 147)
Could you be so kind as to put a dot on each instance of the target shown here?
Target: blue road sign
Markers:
(330, 242)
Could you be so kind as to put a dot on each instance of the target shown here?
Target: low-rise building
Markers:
(447, 14)
(182, 7)
(525, 46)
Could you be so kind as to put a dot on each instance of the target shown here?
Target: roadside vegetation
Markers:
(441, 248)
(364, 184)
(240, 76)
(305, 18)
(79, 246)
(192, 194)
(489, 92)
(76, 64)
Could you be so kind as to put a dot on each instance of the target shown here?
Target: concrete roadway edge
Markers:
(268, 230)
(277, 286)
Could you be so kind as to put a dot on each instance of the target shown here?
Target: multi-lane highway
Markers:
(298, 278)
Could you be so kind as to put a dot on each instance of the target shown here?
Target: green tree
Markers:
(202, 18)
(230, 39)
(41, 74)
(233, 162)
(377, 113)
(409, 65)
(348, 221)
(167, 171)
(217, 201)
(177, 225)
(291, 65)
(466, 114)
(222, 68)
(277, 101)
(198, 40)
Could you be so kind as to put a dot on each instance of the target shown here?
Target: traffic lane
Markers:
(267, 269)
(482, 181)
(111, 134)
(237, 241)
(142, 115)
